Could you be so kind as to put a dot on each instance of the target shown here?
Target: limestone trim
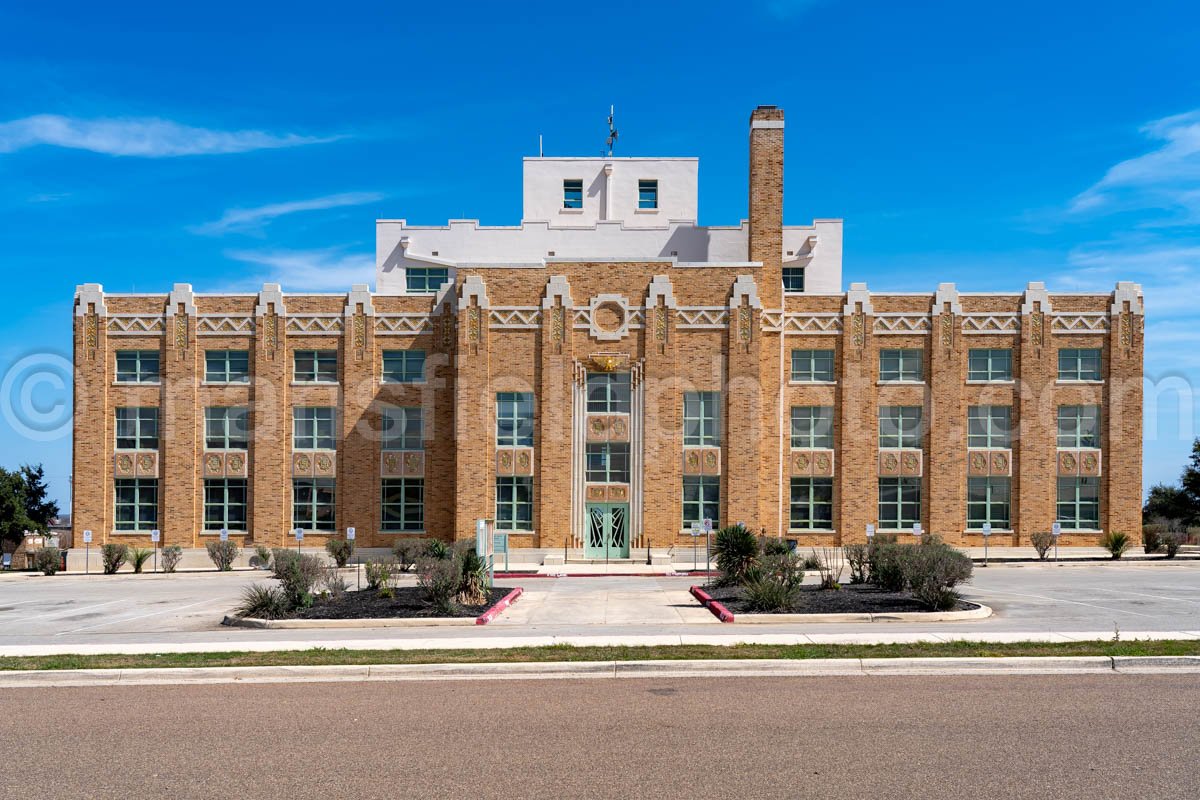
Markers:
(225, 324)
(135, 325)
(316, 324)
(990, 323)
(402, 324)
(90, 295)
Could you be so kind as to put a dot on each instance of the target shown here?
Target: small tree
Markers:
(23, 503)
(113, 556)
(223, 554)
(339, 550)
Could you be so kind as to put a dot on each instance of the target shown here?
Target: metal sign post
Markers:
(87, 551)
(987, 534)
(1056, 531)
(350, 534)
(695, 546)
(707, 544)
(299, 534)
(917, 530)
(870, 532)
(155, 536)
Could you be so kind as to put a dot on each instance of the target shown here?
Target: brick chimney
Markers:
(766, 199)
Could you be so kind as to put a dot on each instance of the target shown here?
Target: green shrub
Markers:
(856, 557)
(1042, 541)
(473, 583)
(379, 576)
(1152, 536)
(340, 550)
(223, 554)
(773, 546)
(932, 570)
(436, 548)
(440, 578)
(1116, 543)
(1171, 542)
(262, 602)
(113, 556)
(262, 557)
(297, 575)
(736, 551)
(333, 583)
(406, 552)
(171, 555)
(773, 584)
(138, 556)
(812, 563)
(48, 560)
(886, 564)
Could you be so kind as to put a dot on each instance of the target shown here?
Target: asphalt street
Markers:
(1093, 737)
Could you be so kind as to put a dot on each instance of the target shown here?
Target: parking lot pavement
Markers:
(1054, 602)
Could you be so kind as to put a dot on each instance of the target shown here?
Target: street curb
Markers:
(718, 610)
(558, 670)
(503, 603)
(722, 613)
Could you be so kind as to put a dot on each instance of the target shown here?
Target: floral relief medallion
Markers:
(124, 463)
(710, 460)
(391, 461)
(1069, 463)
(324, 463)
(1090, 462)
(620, 428)
(803, 462)
(304, 463)
(523, 461)
(1000, 463)
(236, 462)
(693, 461)
(212, 464)
(978, 463)
(824, 464)
(597, 426)
(506, 460)
(891, 463)
(911, 462)
(145, 462)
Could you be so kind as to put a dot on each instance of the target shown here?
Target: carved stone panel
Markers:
(1079, 463)
(900, 463)
(985, 463)
(693, 461)
(597, 428)
(514, 461)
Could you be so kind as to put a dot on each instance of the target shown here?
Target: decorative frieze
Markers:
(991, 323)
(1080, 463)
(514, 318)
(224, 325)
(135, 325)
(225, 464)
(608, 428)
(315, 324)
(136, 464)
(402, 464)
(1094, 322)
(811, 463)
(901, 323)
(989, 463)
(314, 464)
(900, 463)
(607, 493)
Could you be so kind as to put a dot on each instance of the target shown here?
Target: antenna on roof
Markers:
(612, 131)
(539, 145)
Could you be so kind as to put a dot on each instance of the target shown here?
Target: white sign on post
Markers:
(155, 536)
(870, 531)
(987, 529)
(87, 537)
(916, 529)
(350, 534)
(695, 529)
(224, 534)
(299, 534)
(707, 525)
(1056, 529)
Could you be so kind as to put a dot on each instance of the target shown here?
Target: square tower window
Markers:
(573, 193)
(793, 279)
(648, 194)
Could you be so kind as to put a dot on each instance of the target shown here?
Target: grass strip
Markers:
(319, 656)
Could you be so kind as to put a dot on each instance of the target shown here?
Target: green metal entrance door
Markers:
(607, 531)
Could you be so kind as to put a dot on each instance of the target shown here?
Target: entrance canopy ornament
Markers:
(609, 362)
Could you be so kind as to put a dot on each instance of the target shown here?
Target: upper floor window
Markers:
(647, 194)
(403, 429)
(425, 280)
(514, 419)
(984, 364)
(137, 428)
(900, 426)
(1079, 364)
(573, 193)
(1078, 426)
(315, 366)
(812, 366)
(226, 366)
(608, 392)
(793, 279)
(226, 428)
(701, 419)
(989, 426)
(403, 366)
(607, 462)
(812, 427)
(135, 504)
(312, 429)
(137, 366)
(900, 365)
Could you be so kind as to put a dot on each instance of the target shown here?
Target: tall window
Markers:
(812, 427)
(701, 499)
(701, 419)
(608, 392)
(135, 504)
(226, 428)
(608, 462)
(315, 366)
(647, 194)
(793, 279)
(226, 366)
(812, 366)
(1079, 503)
(573, 193)
(1078, 426)
(403, 505)
(899, 503)
(403, 366)
(313, 507)
(225, 504)
(137, 366)
(900, 426)
(1079, 364)
(514, 503)
(811, 504)
(403, 429)
(989, 364)
(425, 280)
(313, 429)
(514, 419)
(989, 426)
(137, 428)
(900, 364)
(988, 501)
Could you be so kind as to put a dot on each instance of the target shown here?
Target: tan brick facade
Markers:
(674, 328)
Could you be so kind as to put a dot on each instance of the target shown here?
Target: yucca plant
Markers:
(736, 551)
(473, 588)
(1116, 543)
(262, 602)
(138, 556)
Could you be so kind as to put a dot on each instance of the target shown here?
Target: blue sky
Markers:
(231, 143)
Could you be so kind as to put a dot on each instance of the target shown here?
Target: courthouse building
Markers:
(601, 377)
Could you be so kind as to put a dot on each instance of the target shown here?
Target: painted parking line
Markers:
(1141, 594)
(75, 610)
(172, 610)
(1077, 603)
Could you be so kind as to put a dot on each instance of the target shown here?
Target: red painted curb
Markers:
(503, 603)
(701, 595)
(719, 611)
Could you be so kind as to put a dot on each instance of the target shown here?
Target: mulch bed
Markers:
(850, 599)
(409, 601)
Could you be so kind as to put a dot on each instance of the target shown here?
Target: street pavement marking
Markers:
(73, 610)
(171, 610)
(1078, 603)
(1140, 594)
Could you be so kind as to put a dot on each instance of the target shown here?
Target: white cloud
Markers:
(1165, 180)
(305, 270)
(247, 219)
(144, 137)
